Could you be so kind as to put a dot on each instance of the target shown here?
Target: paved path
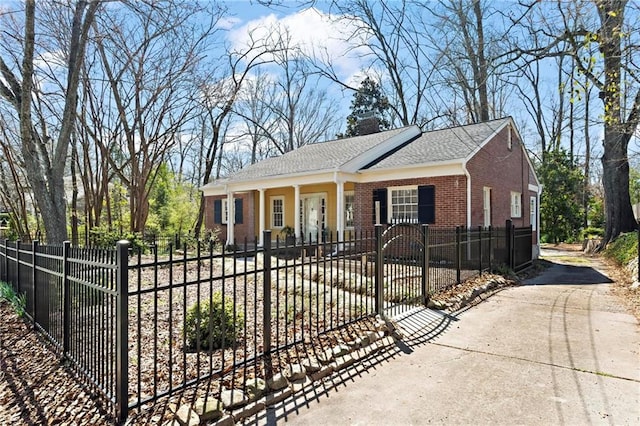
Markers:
(559, 350)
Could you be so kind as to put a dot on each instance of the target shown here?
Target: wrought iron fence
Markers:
(74, 297)
(140, 325)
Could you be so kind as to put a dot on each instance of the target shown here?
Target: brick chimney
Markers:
(367, 124)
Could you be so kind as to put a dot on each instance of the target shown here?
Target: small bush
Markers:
(210, 326)
(105, 238)
(17, 301)
(592, 232)
(623, 249)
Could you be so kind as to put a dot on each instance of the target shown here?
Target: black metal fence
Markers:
(75, 298)
(138, 326)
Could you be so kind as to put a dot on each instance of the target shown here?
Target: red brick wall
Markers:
(451, 200)
(241, 231)
(495, 166)
(503, 170)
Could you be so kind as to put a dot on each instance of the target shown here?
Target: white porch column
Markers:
(340, 209)
(296, 210)
(230, 218)
(261, 218)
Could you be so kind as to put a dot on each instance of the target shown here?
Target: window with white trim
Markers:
(225, 210)
(349, 202)
(516, 204)
(277, 212)
(533, 217)
(486, 206)
(403, 205)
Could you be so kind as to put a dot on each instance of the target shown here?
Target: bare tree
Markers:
(217, 98)
(295, 111)
(459, 37)
(600, 40)
(45, 148)
(14, 188)
(255, 109)
(150, 54)
(387, 37)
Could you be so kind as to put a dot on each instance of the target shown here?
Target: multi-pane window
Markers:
(516, 204)
(277, 212)
(225, 210)
(404, 205)
(533, 216)
(486, 197)
(349, 201)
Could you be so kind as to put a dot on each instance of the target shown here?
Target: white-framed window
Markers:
(509, 138)
(533, 216)
(403, 204)
(349, 202)
(277, 211)
(516, 204)
(225, 210)
(486, 206)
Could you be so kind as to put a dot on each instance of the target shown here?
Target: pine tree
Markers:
(368, 99)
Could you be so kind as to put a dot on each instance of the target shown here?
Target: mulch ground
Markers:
(36, 389)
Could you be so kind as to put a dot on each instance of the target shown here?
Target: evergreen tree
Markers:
(560, 203)
(368, 99)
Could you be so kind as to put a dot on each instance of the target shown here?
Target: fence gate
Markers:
(401, 277)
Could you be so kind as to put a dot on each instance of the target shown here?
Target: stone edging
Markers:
(234, 406)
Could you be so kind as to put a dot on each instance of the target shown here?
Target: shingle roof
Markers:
(314, 157)
(455, 143)
(392, 149)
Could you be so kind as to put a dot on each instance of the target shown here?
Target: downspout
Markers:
(468, 175)
(540, 187)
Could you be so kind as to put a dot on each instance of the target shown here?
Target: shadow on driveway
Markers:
(559, 274)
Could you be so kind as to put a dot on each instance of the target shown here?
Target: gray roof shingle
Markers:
(314, 157)
(451, 144)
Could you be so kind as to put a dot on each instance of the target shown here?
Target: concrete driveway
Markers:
(558, 350)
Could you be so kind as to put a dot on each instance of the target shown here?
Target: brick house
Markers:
(472, 175)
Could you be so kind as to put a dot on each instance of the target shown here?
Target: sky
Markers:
(312, 28)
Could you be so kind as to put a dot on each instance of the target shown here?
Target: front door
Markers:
(312, 220)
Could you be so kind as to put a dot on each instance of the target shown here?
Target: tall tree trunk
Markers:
(587, 152)
(481, 72)
(615, 164)
(45, 167)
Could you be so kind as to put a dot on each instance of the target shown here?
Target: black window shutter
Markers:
(380, 194)
(238, 211)
(427, 204)
(217, 211)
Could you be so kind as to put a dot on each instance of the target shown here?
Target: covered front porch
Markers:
(300, 209)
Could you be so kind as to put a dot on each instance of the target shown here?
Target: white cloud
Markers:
(228, 23)
(317, 34)
(52, 59)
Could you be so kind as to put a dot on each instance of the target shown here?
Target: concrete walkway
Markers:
(558, 350)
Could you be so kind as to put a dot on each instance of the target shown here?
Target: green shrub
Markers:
(592, 232)
(623, 249)
(212, 326)
(17, 301)
(105, 238)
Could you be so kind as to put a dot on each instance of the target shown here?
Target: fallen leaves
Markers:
(35, 388)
